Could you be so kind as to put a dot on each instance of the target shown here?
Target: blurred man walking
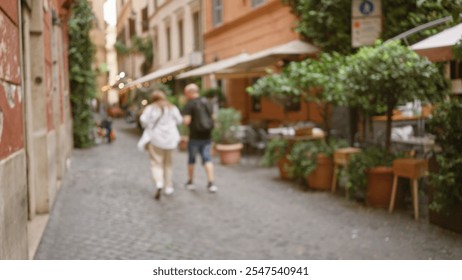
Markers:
(198, 115)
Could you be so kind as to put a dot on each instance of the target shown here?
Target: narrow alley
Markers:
(105, 210)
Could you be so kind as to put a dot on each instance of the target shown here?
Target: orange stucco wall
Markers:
(246, 29)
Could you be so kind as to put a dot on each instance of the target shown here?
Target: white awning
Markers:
(254, 63)
(158, 74)
(439, 46)
(446, 38)
(258, 61)
(213, 67)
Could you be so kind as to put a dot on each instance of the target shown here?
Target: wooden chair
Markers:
(413, 169)
(341, 157)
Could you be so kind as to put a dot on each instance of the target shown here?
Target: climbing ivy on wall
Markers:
(144, 46)
(138, 45)
(327, 23)
(81, 73)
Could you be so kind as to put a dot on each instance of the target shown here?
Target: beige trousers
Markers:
(161, 166)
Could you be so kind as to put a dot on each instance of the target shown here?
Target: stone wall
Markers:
(35, 116)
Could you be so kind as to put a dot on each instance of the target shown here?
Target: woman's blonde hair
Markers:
(159, 98)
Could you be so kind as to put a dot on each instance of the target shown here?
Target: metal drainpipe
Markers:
(21, 61)
(24, 105)
(25, 86)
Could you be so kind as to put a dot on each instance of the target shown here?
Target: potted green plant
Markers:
(279, 87)
(313, 81)
(319, 81)
(311, 161)
(370, 176)
(322, 84)
(379, 78)
(310, 80)
(446, 175)
(276, 153)
(225, 135)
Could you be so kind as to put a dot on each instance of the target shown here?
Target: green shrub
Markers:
(226, 126)
(391, 74)
(303, 155)
(275, 150)
(446, 182)
(359, 163)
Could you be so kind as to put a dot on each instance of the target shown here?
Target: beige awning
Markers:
(258, 62)
(439, 46)
(247, 65)
(158, 74)
(213, 67)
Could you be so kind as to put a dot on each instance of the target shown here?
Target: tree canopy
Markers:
(327, 23)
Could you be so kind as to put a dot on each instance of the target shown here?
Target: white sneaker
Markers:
(190, 186)
(213, 188)
(169, 190)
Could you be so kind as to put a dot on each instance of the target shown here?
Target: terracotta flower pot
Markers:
(282, 163)
(321, 177)
(379, 186)
(229, 154)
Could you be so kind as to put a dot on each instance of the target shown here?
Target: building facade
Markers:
(175, 29)
(260, 28)
(131, 24)
(35, 116)
(98, 37)
(177, 33)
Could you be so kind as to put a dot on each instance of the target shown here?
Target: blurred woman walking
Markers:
(161, 137)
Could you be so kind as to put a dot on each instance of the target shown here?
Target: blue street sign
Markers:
(366, 7)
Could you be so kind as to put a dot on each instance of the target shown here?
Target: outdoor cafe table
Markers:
(288, 133)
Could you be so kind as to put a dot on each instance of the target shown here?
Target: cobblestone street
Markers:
(105, 210)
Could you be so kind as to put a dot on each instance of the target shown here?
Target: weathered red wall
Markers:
(10, 8)
(11, 129)
(9, 52)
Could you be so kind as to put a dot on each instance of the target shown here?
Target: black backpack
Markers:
(202, 116)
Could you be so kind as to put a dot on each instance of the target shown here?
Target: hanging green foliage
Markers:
(327, 23)
(144, 46)
(121, 48)
(81, 74)
(138, 45)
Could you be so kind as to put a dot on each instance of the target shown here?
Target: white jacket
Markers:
(163, 134)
